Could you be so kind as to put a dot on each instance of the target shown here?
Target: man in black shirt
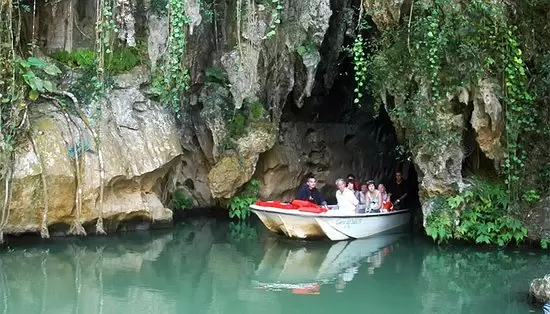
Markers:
(309, 192)
(399, 191)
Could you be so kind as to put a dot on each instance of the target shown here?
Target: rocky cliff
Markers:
(243, 63)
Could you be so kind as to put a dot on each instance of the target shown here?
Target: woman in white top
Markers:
(373, 199)
(347, 202)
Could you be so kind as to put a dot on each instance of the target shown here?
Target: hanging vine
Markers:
(173, 80)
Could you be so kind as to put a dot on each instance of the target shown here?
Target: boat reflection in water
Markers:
(303, 267)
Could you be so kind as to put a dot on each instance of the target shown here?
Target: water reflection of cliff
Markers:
(187, 270)
(199, 268)
(473, 281)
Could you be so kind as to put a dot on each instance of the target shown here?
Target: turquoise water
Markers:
(204, 266)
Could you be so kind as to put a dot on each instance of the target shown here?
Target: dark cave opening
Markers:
(373, 143)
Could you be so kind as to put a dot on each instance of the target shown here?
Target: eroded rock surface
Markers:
(540, 289)
(139, 147)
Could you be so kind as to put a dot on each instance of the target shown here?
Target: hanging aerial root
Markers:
(76, 226)
(95, 135)
(44, 233)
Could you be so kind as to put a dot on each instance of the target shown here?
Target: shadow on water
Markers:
(207, 266)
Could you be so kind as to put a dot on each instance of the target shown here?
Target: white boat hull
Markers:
(332, 224)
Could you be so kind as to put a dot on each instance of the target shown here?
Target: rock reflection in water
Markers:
(202, 267)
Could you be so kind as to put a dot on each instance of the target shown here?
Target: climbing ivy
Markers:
(277, 8)
(172, 81)
(417, 66)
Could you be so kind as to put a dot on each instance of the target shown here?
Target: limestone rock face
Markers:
(487, 120)
(540, 289)
(537, 220)
(139, 143)
(384, 13)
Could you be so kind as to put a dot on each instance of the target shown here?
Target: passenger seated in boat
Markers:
(347, 202)
(386, 204)
(309, 192)
(361, 197)
(351, 178)
(373, 198)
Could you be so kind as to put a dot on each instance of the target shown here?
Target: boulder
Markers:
(540, 289)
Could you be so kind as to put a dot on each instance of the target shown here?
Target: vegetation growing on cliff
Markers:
(418, 66)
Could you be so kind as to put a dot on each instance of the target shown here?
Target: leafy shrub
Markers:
(180, 200)
(483, 215)
(239, 204)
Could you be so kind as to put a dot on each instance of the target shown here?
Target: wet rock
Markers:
(540, 289)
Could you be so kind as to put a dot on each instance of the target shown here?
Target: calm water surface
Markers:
(204, 266)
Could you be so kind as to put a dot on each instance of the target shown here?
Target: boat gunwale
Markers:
(274, 210)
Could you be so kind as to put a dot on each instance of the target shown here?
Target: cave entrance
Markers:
(338, 137)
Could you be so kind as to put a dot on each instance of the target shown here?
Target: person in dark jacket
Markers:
(309, 192)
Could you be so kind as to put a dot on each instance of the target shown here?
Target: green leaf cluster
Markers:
(239, 204)
(37, 74)
(277, 8)
(180, 200)
(172, 81)
(480, 214)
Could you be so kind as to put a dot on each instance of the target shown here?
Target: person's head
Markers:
(398, 176)
(311, 182)
(370, 185)
(364, 188)
(351, 177)
(381, 188)
(341, 184)
(351, 185)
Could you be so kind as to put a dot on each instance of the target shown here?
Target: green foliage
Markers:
(118, 61)
(159, 7)
(531, 196)
(306, 47)
(180, 200)
(172, 82)
(450, 45)
(256, 111)
(276, 9)
(239, 204)
(545, 243)
(239, 121)
(37, 75)
(237, 126)
(82, 58)
(207, 9)
(483, 216)
(216, 75)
